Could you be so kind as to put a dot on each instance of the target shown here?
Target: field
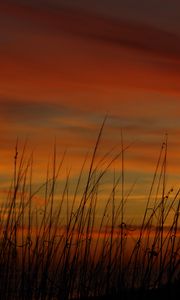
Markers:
(63, 251)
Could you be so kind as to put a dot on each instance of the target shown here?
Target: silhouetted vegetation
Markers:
(61, 250)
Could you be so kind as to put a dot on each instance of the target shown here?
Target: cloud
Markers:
(130, 34)
(31, 111)
(63, 54)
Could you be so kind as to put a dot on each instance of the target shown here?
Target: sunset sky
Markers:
(64, 65)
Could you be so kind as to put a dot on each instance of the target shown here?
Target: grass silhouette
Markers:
(41, 258)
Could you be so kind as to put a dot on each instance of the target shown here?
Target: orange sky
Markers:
(65, 65)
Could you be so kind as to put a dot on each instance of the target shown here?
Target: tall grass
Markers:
(63, 251)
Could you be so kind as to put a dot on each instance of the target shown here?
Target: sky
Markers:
(67, 64)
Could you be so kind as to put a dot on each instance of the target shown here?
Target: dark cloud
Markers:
(60, 117)
(31, 112)
(104, 29)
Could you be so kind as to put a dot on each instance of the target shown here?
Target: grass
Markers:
(61, 250)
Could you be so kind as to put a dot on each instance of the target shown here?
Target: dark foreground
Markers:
(171, 292)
